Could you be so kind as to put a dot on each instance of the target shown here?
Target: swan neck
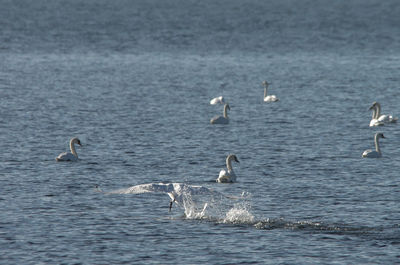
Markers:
(378, 110)
(265, 91)
(229, 163)
(374, 113)
(226, 111)
(377, 147)
(72, 147)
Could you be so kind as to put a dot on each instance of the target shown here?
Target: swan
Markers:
(176, 191)
(222, 119)
(270, 98)
(217, 100)
(377, 152)
(374, 121)
(382, 118)
(73, 156)
(228, 176)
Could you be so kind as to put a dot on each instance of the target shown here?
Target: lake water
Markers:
(133, 80)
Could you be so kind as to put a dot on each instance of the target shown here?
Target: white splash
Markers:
(199, 202)
(239, 214)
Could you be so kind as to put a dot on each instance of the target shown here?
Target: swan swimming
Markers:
(229, 175)
(374, 121)
(73, 156)
(222, 119)
(270, 98)
(382, 118)
(217, 100)
(377, 152)
(176, 191)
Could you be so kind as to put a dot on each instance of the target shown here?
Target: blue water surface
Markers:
(133, 80)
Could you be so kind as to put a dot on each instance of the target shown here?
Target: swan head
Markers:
(233, 157)
(373, 105)
(379, 135)
(265, 83)
(227, 106)
(76, 140)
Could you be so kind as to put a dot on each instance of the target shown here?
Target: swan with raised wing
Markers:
(377, 152)
(217, 100)
(228, 175)
(176, 191)
(70, 156)
(268, 98)
(382, 118)
(222, 119)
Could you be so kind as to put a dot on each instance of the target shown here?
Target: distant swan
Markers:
(176, 191)
(217, 100)
(377, 152)
(222, 119)
(228, 176)
(270, 98)
(382, 118)
(73, 156)
(374, 121)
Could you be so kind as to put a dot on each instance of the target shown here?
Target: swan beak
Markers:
(372, 107)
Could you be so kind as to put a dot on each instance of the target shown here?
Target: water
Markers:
(133, 80)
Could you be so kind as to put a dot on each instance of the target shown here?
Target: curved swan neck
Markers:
(229, 163)
(378, 110)
(72, 147)
(377, 147)
(226, 111)
(265, 89)
(374, 113)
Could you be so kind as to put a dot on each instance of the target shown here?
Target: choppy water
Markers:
(133, 80)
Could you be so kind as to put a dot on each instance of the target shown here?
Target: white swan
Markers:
(217, 100)
(228, 175)
(176, 191)
(382, 118)
(377, 152)
(73, 156)
(222, 119)
(270, 98)
(374, 121)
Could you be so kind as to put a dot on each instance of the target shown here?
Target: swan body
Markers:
(222, 119)
(72, 156)
(176, 191)
(228, 175)
(268, 98)
(377, 152)
(382, 118)
(217, 100)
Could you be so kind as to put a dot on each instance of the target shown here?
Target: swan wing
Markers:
(366, 152)
(375, 122)
(66, 157)
(224, 176)
(271, 98)
(219, 120)
(144, 188)
(217, 100)
(371, 154)
(169, 188)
